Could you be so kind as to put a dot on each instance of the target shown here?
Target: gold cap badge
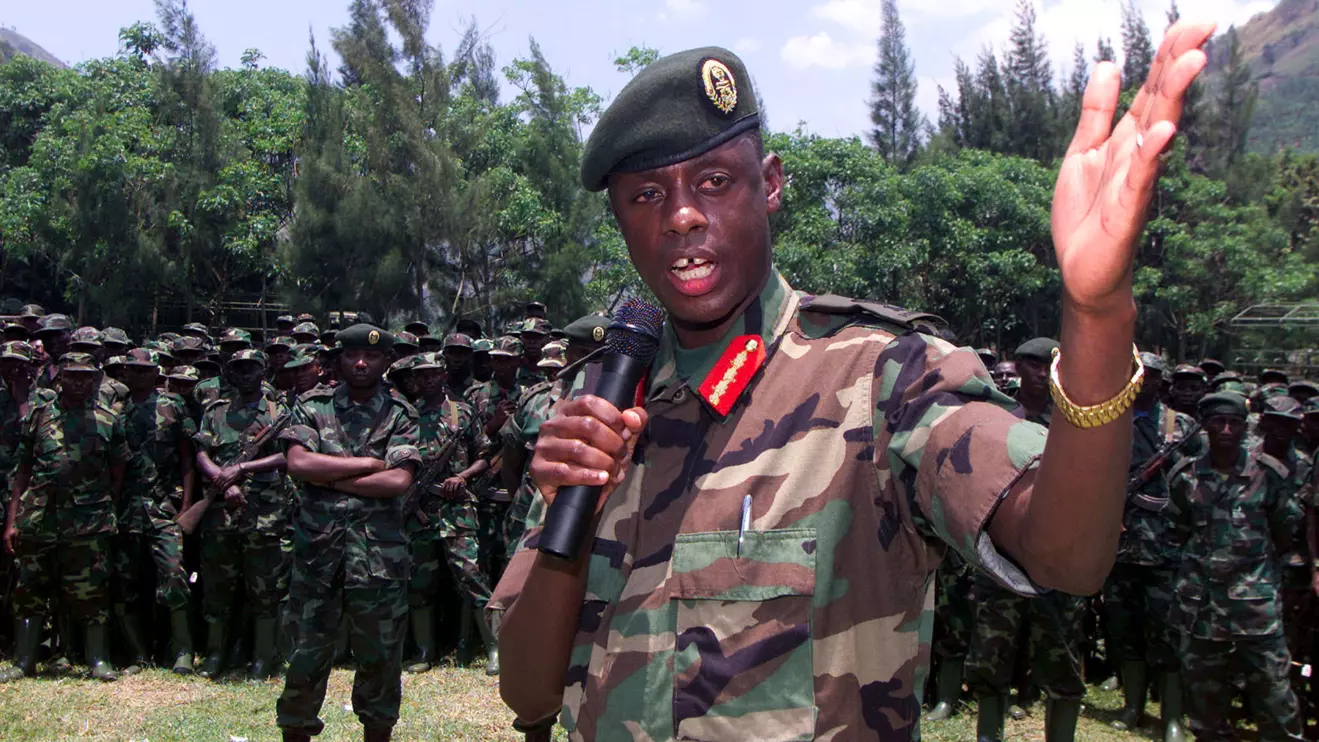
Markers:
(373, 337)
(598, 334)
(720, 87)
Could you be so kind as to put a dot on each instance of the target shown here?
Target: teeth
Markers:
(695, 272)
(682, 263)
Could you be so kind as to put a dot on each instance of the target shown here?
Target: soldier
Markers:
(116, 341)
(416, 328)
(494, 402)
(114, 368)
(534, 333)
(61, 519)
(284, 325)
(1189, 385)
(1006, 378)
(405, 344)
(552, 359)
(241, 532)
(534, 310)
(187, 350)
(458, 363)
(1228, 381)
(16, 331)
(354, 448)
(1273, 376)
(483, 368)
(112, 393)
(303, 372)
(822, 567)
(1212, 368)
(183, 380)
(31, 315)
(306, 332)
(987, 357)
(401, 377)
(53, 335)
(954, 624)
(1303, 390)
(445, 523)
(197, 330)
(1233, 513)
(469, 327)
(220, 386)
(158, 483)
(277, 354)
(18, 395)
(430, 343)
(1138, 596)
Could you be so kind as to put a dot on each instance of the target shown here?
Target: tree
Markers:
(637, 59)
(1234, 107)
(1074, 94)
(1104, 51)
(897, 123)
(1032, 129)
(1137, 48)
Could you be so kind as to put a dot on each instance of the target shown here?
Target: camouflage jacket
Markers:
(1147, 536)
(485, 399)
(217, 387)
(1229, 526)
(11, 429)
(71, 452)
(227, 425)
(155, 429)
(867, 450)
(436, 426)
(1299, 471)
(113, 394)
(528, 377)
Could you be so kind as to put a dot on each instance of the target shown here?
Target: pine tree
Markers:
(1032, 130)
(1234, 107)
(1137, 48)
(1074, 95)
(1104, 51)
(1174, 14)
(897, 122)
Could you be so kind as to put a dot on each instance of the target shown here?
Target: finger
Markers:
(551, 475)
(1097, 108)
(577, 453)
(636, 419)
(593, 406)
(1141, 178)
(588, 430)
(1170, 99)
(1181, 38)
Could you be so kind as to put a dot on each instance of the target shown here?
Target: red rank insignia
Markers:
(740, 362)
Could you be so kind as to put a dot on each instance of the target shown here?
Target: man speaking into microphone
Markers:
(772, 514)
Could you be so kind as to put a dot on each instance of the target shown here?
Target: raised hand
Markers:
(1107, 180)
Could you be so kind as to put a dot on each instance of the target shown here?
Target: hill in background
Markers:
(1282, 49)
(13, 42)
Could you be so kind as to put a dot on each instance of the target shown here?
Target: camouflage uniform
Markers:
(242, 547)
(521, 431)
(897, 450)
(66, 517)
(492, 498)
(350, 562)
(1228, 606)
(11, 428)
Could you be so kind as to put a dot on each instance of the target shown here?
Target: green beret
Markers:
(142, 357)
(457, 340)
(249, 354)
(78, 362)
(1187, 370)
(1152, 362)
(302, 355)
(16, 350)
(679, 107)
(589, 329)
(235, 336)
(1284, 407)
(1039, 349)
(369, 337)
(507, 346)
(1222, 403)
(55, 323)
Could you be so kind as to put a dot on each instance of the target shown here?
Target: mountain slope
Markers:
(13, 42)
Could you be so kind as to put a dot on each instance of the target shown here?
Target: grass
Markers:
(449, 703)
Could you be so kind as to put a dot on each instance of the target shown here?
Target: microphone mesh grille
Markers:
(636, 330)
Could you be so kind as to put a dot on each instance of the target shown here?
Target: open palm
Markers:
(1108, 176)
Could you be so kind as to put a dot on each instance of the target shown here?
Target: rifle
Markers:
(431, 471)
(189, 519)
(1151, 468)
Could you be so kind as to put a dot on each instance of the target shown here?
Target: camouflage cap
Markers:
(589, 330)
(553, 355)
(430, 341)
(365, 336)
(115, 336)
(162, 349)
(1272, 376)
(17, 350)
(207, 364)
(535, 326)
(17, 328)
(1222, 403)
(78, 362)
(1212, 367)
(1039, 349)
(987, 356)
(235, 336)
(1310, 406)
(1303, 386)
(469, 327)
(86, 336)
(114, 362)
(417, 328)
(55, 323)
(303, 355)
(457, 340)
(32, 311)
(249, 354)
(1153, 363)
(188, 344)
(283, 341)
(198, 328)
(1269, 391)
(1284, 407)
(141, 357)
(483, 345)
(402, 366)
(1186, 370)
(429, 362)
(305, 317)
(307, 328)
(507, 345)
(284, 319)
(406, 339)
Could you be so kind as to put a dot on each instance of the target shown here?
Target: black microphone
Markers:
(630, 346)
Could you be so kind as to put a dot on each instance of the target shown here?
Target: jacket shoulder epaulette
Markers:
(822, 316)
(316, 392)
(533, 390)
(1277, 466)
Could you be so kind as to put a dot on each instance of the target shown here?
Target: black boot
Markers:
(181, 639)
(1060, 717)
(1135, 686)
(949, 687)
(466, 653)
(292, 736)
(98, 654)
(263, 648)
(989, 719)
(422, 622)
(1173, 731)
(27, 635)
(216, 636)
(489, 637)
(137, 645)
(379, 734)
(63, 661)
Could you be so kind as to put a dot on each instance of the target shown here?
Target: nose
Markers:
(685, 217)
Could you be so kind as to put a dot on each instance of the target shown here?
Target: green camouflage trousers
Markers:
(954, 609)
(345, 569)
(457, 542)
(492, 515)
(1053, 623)
(1208, 667)
(231, 561)
(1138, 601)
(79, 569)
(515, 523)
(163, 547)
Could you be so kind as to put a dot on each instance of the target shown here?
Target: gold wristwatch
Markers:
(1093, 416)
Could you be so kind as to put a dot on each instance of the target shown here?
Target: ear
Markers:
(771, 170)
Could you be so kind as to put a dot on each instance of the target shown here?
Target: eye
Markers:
(647, 195)
(716, 182)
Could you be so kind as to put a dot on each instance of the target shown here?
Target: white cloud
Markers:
(863, 16)
(746, 45)
(684, 8)
(822, 50)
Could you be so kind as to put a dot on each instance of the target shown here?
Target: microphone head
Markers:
(636, 330)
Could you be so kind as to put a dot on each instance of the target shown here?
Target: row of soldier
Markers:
(1212, 595)
(118, 457)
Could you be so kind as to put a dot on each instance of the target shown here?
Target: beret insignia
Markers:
(720, 87)
(373, 338)
(598, 334)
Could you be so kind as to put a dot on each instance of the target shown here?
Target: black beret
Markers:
(1222, 403)
(679, 107)
(589, 329)
(1039, 349)
(365, 336)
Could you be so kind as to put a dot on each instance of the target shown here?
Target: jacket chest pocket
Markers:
(743, 664)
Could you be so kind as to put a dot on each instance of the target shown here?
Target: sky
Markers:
(811, 60)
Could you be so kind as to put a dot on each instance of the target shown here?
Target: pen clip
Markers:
(745, 524)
